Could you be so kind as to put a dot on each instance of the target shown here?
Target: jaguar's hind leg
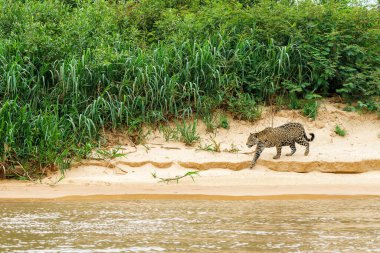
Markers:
(278, 152)
(293, 147)
(305, 143)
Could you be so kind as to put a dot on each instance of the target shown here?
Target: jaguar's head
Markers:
(252, 140)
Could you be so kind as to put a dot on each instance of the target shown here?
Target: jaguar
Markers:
(286, 135)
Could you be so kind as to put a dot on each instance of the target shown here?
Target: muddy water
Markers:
(318, 225)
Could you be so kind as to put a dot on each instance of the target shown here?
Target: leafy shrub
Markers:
(310, 109)
(294, 102)
(340, 131)
(244, 107)
(223, 121)
(369, 105)
(361, 85)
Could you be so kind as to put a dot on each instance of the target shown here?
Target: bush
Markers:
(340, 131)
(223, 121)
(310, 109)
(244, 107)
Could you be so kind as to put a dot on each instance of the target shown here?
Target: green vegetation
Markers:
(213, 147)
(188, 132)
(244, 108)
(109, 154)
(71, 69)
(232, 149)
(169, 133)
(223, 121)
(185, 132)
(190, 174)
(340, 131)
(209, 122)
(310, 109)
(368, 106)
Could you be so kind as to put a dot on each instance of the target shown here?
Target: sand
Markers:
(336, 166)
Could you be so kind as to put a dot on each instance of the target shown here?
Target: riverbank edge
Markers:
(336, 166)
(100, 197)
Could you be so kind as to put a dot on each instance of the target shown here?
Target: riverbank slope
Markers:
(352, 163)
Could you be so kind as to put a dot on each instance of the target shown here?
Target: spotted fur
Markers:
(285, 135)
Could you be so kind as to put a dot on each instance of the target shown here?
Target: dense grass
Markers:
(71, 68)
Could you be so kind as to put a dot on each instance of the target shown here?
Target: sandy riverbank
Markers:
(353, 163)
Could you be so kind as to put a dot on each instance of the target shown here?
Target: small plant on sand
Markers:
(169, 133)
(84, 151)
(232, 149)
(340, 131)
(223, 121)
(206, 147)
(109, 154)
(176, 178)
(209, 122)
(188, 132)
(213, 147)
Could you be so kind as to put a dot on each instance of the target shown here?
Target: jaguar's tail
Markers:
(312, 137)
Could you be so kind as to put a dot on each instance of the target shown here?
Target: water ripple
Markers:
(346, 225)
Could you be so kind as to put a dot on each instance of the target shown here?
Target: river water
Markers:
(318, 225)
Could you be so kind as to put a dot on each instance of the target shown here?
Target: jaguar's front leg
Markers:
(293, 148)
(278, 152)
(259, 148)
